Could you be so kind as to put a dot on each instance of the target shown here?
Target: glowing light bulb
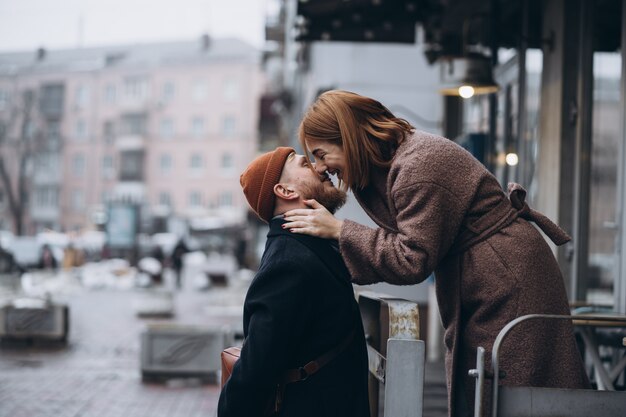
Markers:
(512, 159)
(466, 91)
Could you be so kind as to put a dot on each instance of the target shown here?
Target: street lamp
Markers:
(467, 76)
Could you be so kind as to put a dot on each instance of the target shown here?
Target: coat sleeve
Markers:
(278, 303)
(428, 220)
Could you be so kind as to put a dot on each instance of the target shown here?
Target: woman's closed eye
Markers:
(319, 155)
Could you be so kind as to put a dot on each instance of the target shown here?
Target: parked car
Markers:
(26, 251)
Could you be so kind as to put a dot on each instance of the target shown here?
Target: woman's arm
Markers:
(428, 220)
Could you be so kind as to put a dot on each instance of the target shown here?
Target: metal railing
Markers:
(520, 401)
(396, 355)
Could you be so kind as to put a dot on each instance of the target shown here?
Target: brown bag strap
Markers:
(303, 372)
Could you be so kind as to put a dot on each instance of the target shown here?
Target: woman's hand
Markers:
(316, 221)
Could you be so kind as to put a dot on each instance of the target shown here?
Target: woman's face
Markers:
(328, 157)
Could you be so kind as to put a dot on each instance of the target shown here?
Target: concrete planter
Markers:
(34, 319)
(176, 351)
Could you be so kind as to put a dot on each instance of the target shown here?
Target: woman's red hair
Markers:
(365, 129)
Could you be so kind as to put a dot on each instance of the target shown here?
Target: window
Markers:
(108, 132)
(226, 199)
(131, 166)
(110, 94)
(43, 162)
(135, 88)
(53, 133)
(168, 92)
(4, 99)
(196, 164)
(31, 129)
(165, 199)
(227, 164)
(47, 163)
(51, 100)
(167, 128)
(195, 199)
(197, 127)
(78, 200)
(81, 130)
(46, 197)
(78, 165)
(108, 170)
(25, 198)
(231, 90)
(133, 124)
(228, 126)
(81, 96)
(165, 164)
(199, 91)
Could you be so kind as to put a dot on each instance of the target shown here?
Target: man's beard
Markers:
(330, 197)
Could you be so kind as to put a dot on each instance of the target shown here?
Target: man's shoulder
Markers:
(289, 247)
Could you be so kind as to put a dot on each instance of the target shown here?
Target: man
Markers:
(177, 260)
(299, 309)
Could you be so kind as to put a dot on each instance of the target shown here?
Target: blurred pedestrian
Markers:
(8, 263)
(46, 258)
(157, 254)
(439, 209)
(72, 257)
(177, 260)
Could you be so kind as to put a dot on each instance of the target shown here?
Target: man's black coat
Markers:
(299, 306)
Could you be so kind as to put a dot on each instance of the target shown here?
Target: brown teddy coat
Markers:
(439, 209)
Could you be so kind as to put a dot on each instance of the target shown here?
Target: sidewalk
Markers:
(98, 373)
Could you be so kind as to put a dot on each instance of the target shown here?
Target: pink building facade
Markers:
(166, 126)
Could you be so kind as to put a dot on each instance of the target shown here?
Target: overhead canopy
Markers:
(449, 26)
(360, 20)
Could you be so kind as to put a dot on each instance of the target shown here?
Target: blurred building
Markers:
(165, 126)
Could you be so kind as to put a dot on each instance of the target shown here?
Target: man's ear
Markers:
(283, 191)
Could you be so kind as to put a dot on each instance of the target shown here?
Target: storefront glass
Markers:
(606, 136)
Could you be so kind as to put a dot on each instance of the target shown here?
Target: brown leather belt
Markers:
(304, 372)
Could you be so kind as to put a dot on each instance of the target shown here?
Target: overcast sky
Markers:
(29, 24)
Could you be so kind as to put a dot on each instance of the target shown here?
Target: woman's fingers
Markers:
(313, 204)
(295, 223)
(292, 219)
(298, 212)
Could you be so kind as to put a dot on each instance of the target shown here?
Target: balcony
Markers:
(45, 214)
(131, 191)
(51, 101)
(130, 143)
(131, 166)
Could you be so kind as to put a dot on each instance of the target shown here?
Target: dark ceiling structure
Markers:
(450, 27)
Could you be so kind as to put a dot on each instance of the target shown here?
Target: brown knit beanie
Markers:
(259, 179)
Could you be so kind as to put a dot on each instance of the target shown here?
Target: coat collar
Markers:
(325, 249)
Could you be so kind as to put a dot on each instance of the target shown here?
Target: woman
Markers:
(438, 209)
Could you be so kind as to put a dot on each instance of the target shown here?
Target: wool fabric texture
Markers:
(259, 179)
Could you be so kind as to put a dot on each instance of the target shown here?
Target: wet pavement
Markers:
(98, 373)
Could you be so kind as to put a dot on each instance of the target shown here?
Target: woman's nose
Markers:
(319, 167)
